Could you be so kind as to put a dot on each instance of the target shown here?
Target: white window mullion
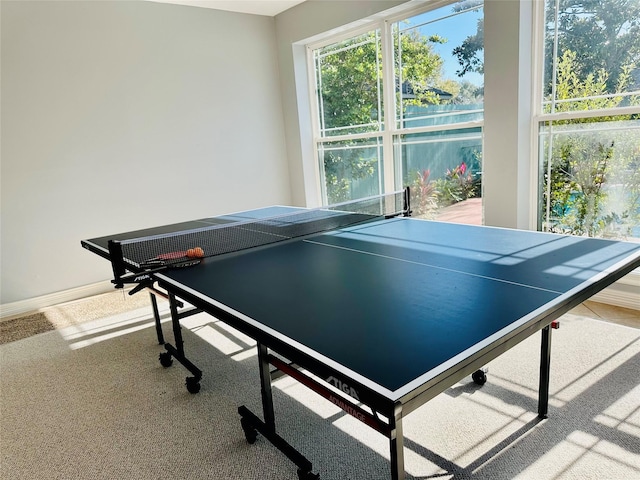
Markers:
(547, 207)
(315, 124)
(389, 99)
(537, 98)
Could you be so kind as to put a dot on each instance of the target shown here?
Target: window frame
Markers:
(390, 168)
(503, 209)
(539, 118)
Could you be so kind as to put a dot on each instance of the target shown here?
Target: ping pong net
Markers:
(156, 252)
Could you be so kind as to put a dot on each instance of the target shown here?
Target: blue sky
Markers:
(454, 29)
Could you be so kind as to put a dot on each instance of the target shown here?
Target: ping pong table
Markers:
(378, 313)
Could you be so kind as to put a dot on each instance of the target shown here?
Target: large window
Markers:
(348, 81)
(589, 121)
(402, 104)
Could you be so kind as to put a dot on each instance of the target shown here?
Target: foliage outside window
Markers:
(349, 92)
(589, 127)
(421, 128)
(438, 148)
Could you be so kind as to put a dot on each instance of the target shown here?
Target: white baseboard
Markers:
(620, 296)
(611, 296)
(619, 299)
(29, 305)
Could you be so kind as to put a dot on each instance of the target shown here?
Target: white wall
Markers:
(508, 150)
(120, 115)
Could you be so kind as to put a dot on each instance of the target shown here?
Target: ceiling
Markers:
(258, 7)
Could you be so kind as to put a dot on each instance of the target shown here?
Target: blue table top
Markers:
(395, 301)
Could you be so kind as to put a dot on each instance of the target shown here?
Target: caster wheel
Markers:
(250, 433)
(302, 475)
(193, 384)
(479, 377)
(165, 359)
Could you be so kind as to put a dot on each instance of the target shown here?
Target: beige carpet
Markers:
(69, 314)
(88, 399)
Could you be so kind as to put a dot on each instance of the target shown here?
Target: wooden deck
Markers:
(468, 211)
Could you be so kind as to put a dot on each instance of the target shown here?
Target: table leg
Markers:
(156, 316)
(265, 387)
(396, 444)
(251, 424)
(177, 351)
(545, 364)
(175, 322)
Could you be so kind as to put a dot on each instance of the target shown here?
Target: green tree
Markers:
(351, 78)
(350, 89)
(469, 52)
(604, 34)
(584, 161)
